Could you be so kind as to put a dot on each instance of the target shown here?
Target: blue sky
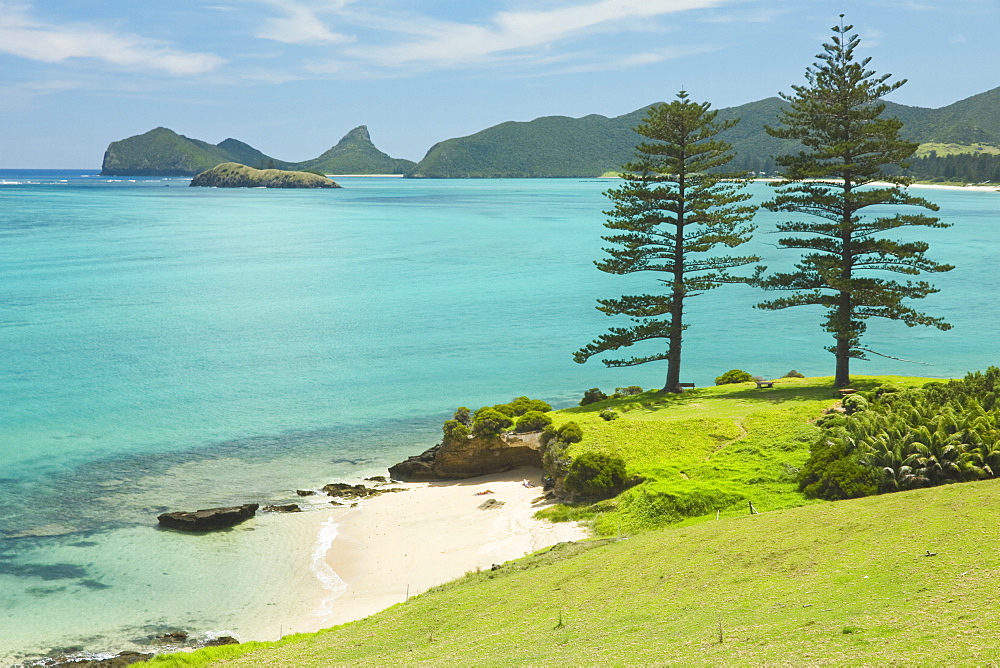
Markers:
(291, 77)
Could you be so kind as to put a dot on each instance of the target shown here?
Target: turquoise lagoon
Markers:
(165, 347)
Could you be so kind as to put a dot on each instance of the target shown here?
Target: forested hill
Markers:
(555, 146)
(163, 152)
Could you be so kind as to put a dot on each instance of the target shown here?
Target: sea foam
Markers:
(322, 570)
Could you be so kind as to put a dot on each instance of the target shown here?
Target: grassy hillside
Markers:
(821, 583)
(848, 582)
(714, 449)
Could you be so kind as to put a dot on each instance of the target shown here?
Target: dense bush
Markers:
(629, 391)
(570, 433)
(462, 415)
(555, 443)
(522, 405)
(593, 395)
(532, 421)
(489, 423)
(596, 475)
(832, 473)
(854, 403)
(793, 374)
(608, 414)
(905, 439)
(733, 376)
(455, 431)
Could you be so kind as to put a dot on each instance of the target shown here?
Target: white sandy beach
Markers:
(404, 543)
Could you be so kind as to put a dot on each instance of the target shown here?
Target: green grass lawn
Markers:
(715, 449)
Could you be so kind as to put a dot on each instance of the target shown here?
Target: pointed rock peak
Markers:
(358, 135)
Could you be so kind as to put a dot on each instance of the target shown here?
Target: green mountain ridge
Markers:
(163, 152)
(559, 146)
(550, 146)
(356, 154)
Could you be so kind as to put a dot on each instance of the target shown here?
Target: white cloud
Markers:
(299, 25)
(446, 44)
(26, 38)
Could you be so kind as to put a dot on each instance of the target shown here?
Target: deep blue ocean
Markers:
(166, 347)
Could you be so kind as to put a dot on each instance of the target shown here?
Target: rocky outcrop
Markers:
(209, 519)
(286, 508)
(235, 175)
(471, 457)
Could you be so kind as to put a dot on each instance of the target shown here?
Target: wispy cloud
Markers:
(300, 24)
(22, 36)
(450, 44)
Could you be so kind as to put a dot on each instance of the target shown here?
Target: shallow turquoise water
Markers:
(169, 347)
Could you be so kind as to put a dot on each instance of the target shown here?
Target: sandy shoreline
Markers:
(405, 543)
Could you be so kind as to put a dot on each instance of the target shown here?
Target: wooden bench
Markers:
(685, 386)
(764, 383)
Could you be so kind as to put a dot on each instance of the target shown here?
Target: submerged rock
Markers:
(221, 640)
(209, 519)
(117, 661)
(287, 508)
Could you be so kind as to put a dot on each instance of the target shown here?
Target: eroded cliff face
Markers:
(471, 457)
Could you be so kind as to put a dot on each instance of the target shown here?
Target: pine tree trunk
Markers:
(674, 351)
(677, 298)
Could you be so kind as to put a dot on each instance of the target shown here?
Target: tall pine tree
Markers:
(668, 217)
(847, 144)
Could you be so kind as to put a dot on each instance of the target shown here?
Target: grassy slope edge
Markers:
(826, 582)
(843, 582)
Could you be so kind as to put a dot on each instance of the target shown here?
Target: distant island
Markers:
(163, 152)
(235, 175)
(959, 143)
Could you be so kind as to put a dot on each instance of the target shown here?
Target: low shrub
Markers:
(455, 431)
(793, 374)
(733, 376)
(463, 416)
(854, 403)
(532, 421)
(570, 433)
(629, 391)
(593, 395)
(596, 475)
(521, 405)
(608, 414)
(489, 423)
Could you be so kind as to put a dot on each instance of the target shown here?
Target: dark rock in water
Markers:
(348, 491)
(171, 638)
(470, 458)
(377, 478)
(287, 508)
(221, 640)
(117, 661)
(209, 519)
(305, 492)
